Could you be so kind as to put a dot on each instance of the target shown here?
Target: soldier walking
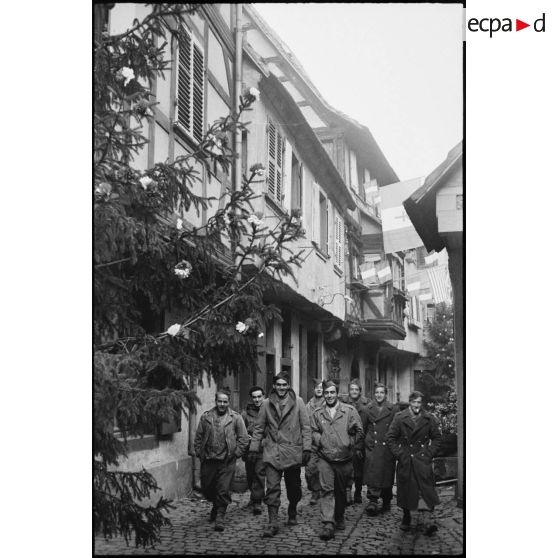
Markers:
(414, 438)
(359, 402)
(220, 438)
(311, 470)
(336, 426)
(284, 426)
(255, 467)
(379, 463)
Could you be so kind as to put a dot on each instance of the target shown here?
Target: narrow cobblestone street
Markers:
(192, 533)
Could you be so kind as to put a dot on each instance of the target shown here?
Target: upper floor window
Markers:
(339, 242)
(190, 85)
(324, 224)
(275, 161)
(296, 183)
(353, 171)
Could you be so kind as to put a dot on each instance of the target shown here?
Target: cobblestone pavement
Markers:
(192, 533)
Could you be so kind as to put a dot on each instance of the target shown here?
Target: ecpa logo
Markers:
(493, 25)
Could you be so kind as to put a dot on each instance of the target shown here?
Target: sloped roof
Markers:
(421, 204)
(358, 133)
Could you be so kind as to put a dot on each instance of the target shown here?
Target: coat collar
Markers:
(290, 403)
(412, 424)
(378, 411)
(227, 417)
(341, 410)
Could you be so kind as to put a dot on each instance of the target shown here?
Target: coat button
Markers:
(412, 455)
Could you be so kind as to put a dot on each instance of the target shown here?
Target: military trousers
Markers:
(333, 481)
(216, 478)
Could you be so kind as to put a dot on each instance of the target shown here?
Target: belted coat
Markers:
(284, 437)
(414, 444)
(336, 439)
(236, 437)
(249, 416)
(379, 462)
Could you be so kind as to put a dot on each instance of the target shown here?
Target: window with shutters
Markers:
(190, 86)
(296, 183)
(323, 224)
(339, 243)
(275, 157)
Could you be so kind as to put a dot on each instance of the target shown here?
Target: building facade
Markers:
(319, 163)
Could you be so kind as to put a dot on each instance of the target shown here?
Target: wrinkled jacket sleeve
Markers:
(199, 438)
(435, 436)
(393, 435)
(242, 438)
(316, 431)
(305, 426)
(355, 429)
(259, 428)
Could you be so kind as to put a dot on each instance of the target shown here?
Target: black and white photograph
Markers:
(277, 279)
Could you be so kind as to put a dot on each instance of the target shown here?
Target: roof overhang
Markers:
(421, 204)
(307, 142)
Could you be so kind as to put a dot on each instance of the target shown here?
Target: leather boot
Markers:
(220, 519)
(372, 508)
(257, 507)
(292, 515)
(213, 513)
(358, 493)
(406, 521)
(272, 528)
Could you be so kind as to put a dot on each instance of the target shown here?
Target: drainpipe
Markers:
(237, 181)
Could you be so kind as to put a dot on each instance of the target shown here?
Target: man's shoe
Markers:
(358, 498)
(220, 520)
(256, 508)
(340, 524)
(315, 497)
(327, 532)
(213, 513)
(272, 528)
(430, 530)
(406, 521)
(386, 506)
(349, 497)
(292, 520)
(372, 508)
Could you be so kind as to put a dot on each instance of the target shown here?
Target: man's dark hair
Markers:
(282, 376)
(255, 388)
(380, 385)
(329, 383)
(415, 395)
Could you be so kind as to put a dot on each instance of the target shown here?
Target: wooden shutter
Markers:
(339, 256)
(198, 93)
(287, 163)
(275, 162)
(316, 213)
(190, 88)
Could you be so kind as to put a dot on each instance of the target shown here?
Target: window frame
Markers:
(195, 128)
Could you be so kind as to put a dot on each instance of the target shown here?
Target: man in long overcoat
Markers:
(284, 426)
(414, 438)
(255, 469)
(336, 436)
(359, 402)
(311, 470)
(379, 463)
(220, 438)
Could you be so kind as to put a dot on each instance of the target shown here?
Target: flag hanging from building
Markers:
(414, 286)
(399, 233)
(368, 273)
(430, 259)
(440, 283)
(384, 272)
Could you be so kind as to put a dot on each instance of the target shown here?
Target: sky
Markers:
(396, 68)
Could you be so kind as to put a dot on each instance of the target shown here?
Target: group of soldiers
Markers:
(339, 441)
